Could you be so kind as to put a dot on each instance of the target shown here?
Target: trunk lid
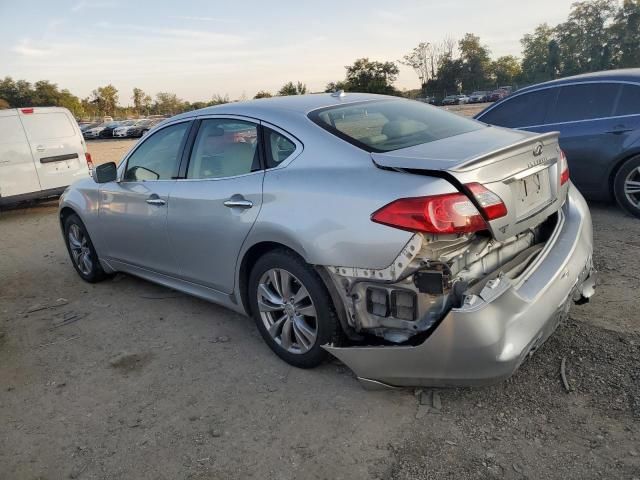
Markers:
(522, 168)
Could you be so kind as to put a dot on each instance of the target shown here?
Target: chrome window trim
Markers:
(585, 82)
(576, 121)
(122, 168)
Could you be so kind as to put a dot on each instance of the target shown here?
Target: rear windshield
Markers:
(385, 125)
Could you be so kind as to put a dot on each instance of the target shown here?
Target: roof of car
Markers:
(301, 104)
(627, 74)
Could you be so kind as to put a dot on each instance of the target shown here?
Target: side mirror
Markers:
(105, 173)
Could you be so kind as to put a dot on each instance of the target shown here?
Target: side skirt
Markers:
(205, 293)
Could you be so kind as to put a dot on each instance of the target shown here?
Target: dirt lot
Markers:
(125, 380)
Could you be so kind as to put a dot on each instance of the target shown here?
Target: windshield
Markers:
(385, 125)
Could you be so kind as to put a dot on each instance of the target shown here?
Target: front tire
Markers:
(81, 250)
(292, 309)
(626, 186)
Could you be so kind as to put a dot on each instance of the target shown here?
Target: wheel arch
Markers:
(626, 156)
(258, 250)
(249, 259)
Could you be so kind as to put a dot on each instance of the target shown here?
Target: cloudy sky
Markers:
(198, 48)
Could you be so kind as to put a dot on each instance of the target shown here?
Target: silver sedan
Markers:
(417, 246)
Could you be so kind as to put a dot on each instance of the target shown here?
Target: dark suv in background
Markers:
(598, 117)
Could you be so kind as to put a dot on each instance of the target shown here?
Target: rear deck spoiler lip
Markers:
(474, 162)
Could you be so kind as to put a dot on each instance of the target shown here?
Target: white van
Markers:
(41, 152)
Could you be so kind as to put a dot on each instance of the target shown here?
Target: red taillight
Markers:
(447, 213)
(564, 169)
(87, 157)
(26, 110)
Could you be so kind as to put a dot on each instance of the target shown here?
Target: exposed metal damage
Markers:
(431, 275)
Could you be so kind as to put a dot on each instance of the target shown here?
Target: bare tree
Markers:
(420, 60)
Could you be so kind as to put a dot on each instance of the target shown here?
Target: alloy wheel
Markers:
(80, 251)
(287, 311)
(632, 187)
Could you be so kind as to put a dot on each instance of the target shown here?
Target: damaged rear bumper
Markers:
(488, 338)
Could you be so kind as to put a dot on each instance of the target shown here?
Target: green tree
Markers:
(290, 88)
(506, 70)
(583, 39)
(476, 63)
(218, 99)
(535, 54)
(336, 86)
(16, 93)
(372, 76)
(71, 102)
(138, 99)
(168, 104)
(45, 94)
(262, 94)
(106, 99)
(448, 79)
(625, 35)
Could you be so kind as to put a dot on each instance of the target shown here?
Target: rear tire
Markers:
(626, 186)
(292, 308)
(81, 250)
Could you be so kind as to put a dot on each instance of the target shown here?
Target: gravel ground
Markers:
(126, 379)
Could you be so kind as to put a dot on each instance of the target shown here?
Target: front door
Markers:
(212, 210)
(133, 210)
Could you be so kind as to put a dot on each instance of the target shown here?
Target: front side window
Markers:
(629, 103)
(158, 156)
(385, 125)
(527, 109)
(585, 102)
(224, 148)
(279, 147)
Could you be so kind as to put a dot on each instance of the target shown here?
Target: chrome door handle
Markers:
(238, 203)
(155, 200)
(40, 148)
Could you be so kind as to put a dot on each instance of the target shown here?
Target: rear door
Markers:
(17, 171)
(56, 146)
(213, 208)
(584, 116)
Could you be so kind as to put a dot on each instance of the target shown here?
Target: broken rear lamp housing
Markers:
(564, 169)
(446, 213)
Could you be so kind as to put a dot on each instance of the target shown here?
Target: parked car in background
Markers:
(417, 246)
(87, 126)
(497, 95)
(138, 129)
(107, 131)
(451, 100)
(93, 132)
(463, 99)
(478, 97)
(598, 117)
(41, 153)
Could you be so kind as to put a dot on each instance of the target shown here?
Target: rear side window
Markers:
(45, 126)
(386, 125)
(224, 148)
(629, 103)
(157, 157)
(523, 110)
(278, 147)
(585, 102)
(11, 130)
